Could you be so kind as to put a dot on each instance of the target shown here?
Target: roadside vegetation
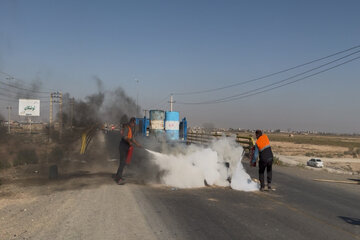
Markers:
(26, 156)
(4, 163)
(20, 149)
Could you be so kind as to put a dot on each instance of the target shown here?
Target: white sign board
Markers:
(29, 107)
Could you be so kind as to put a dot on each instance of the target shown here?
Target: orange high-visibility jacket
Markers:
(263, 142)
(130, 135)
(263, 145)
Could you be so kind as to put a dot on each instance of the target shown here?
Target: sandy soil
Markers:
(334, 158)
(293, 149)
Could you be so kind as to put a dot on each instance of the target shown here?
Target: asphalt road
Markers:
(299, 209)
(89, 205)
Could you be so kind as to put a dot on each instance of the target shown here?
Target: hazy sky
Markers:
(182, 46)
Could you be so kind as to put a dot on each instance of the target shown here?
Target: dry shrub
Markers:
(4, 164)
(56, 154)
(26, 156)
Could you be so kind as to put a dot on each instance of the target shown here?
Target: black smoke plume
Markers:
(113, 107)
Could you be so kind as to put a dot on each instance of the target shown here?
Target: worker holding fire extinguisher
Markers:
(126, 148)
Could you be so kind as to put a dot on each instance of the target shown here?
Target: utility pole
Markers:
(30, 125)
(61, 116)
(50, 115)
(51, 110)
(145, 111)
(9, 114)
(72, 100)
(171, 102)
(55, 97)
(137, 95)
(9, 78)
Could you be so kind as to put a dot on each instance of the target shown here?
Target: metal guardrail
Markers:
(202, 138)
(247, 142)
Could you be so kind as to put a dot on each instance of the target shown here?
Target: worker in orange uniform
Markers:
(263, 150)
(127, 141)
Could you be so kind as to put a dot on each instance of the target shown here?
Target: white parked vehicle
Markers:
(315, 162)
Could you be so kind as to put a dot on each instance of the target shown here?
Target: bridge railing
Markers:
(247, 142)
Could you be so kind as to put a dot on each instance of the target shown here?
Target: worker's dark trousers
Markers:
(123, 150)
(268, 165)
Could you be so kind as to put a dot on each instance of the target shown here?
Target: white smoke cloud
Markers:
(190, 169)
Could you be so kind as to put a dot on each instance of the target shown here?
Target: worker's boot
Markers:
(120, 181)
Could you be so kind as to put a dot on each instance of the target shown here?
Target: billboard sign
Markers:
(29, 107)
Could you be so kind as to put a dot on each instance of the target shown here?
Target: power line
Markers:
(8, 89)
(297, 80)
(162, 106)
(265, 76)
(8, 100)
(24, 82)
(17, 101)
(248, 94)
(16, 98)
(281, 81)
(24, 89)
(19, 95)
(161, 103)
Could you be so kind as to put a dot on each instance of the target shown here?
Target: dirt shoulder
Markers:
(335, 158)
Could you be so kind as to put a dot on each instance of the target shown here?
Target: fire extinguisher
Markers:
(129, 155)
